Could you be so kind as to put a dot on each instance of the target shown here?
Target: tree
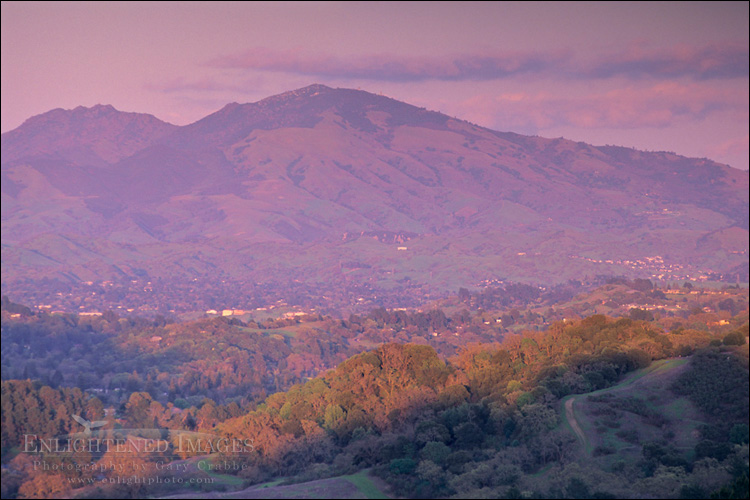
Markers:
(734, 338)
(137, 410)
(642, 285)
(402, 466)
(44, 485)
(692, 491)
(639, 314)
(334, 416)
(577, 488)
(436, 452)
(468, 435)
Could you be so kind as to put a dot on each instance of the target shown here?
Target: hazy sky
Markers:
(652, 75)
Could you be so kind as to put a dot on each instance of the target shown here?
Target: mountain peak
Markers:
(96, 107)
(304, 92)
(96, 134)
(97, 110)
(323, 166)
(311, 89)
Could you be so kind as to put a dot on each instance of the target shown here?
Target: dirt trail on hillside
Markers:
(659, 373)
(570, 415)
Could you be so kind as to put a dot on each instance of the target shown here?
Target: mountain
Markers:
(91, 136)
(332, 188)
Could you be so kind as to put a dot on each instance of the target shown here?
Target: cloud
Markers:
(735, 146)
(723, 61)
(728, 60)
(479, 66)
(658, 105)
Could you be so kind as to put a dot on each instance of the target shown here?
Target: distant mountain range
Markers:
(324, 186)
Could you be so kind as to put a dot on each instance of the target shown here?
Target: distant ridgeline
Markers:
(285, 192)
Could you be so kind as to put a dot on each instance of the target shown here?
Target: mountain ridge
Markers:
(304, 171)
(45, 133)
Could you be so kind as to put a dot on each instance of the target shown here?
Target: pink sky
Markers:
(651, 75)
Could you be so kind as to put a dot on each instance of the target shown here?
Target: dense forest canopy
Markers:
(431, 419)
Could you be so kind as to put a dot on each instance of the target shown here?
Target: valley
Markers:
(462, 404)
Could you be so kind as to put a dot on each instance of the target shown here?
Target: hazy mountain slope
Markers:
(95, 135)
(295, 185)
